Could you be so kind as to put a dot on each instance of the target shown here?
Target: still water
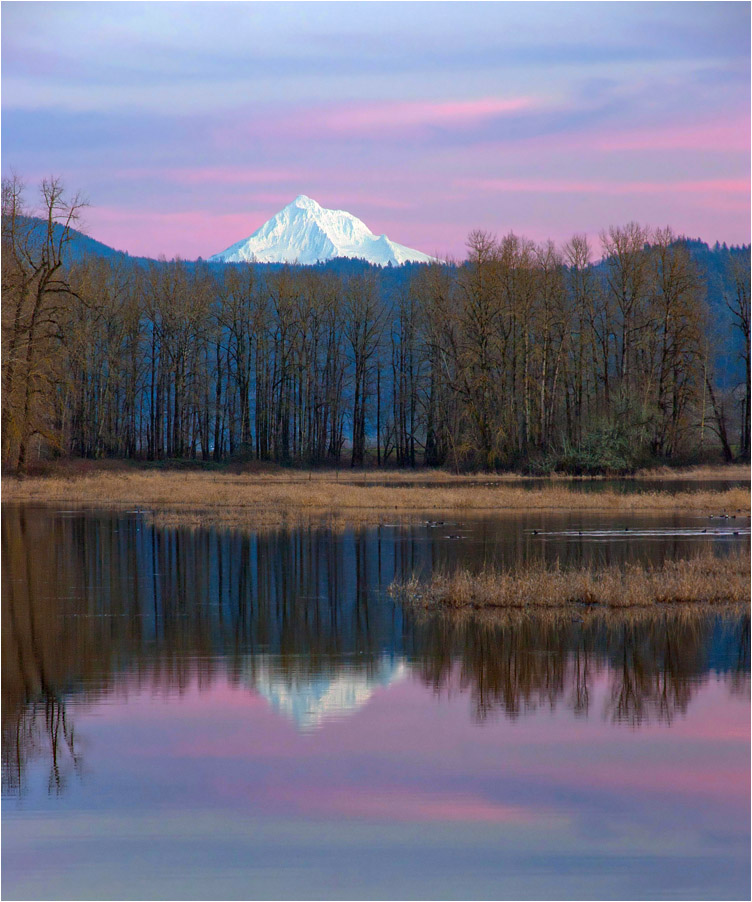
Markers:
(217, 714)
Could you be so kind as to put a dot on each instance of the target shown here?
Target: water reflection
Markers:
(96, 605)
(517, 663)
(308, 698)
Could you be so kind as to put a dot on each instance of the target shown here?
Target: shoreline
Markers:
(265, 498)
(80, 468)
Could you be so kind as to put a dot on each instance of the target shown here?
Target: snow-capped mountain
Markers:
(305, 232)
(309, 701)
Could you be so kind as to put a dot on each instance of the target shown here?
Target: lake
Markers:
(211, 713)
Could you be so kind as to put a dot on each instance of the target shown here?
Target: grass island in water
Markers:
(705, 579)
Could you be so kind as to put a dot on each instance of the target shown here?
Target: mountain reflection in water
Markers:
(309, 699)
(100, 605)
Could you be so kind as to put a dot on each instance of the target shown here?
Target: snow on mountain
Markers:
(305, 232)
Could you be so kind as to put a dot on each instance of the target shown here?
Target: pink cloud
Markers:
(365, 117)
(371, 118)
(601, 186)
(713, 135)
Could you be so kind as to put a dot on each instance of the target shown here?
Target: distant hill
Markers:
(80, 245)
(83, 246)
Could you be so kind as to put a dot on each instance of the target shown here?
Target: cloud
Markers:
(370, 117)
(721, 135)
(604, 186)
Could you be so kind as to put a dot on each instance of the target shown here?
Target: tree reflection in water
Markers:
(515, 663)
(97, 603)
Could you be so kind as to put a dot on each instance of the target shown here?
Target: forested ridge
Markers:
(524, 355)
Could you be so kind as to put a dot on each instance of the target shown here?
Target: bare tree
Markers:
(35, 287)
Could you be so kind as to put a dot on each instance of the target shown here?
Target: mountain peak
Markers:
(305, 203)
(304, 232)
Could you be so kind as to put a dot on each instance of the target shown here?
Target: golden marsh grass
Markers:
(256, 499)
(705, 579)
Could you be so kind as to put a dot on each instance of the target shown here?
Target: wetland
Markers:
(249, 712)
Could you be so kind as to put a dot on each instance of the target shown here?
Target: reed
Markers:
(699, 472)
(259, 498)
(705, 579)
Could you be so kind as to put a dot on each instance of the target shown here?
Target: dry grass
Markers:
(699, 473)
(563, 617)
(705, 579)
(277, 497)
(79, 468)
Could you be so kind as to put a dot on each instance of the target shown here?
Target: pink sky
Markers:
(189, 125)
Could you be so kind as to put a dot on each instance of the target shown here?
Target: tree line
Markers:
(523, 355)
